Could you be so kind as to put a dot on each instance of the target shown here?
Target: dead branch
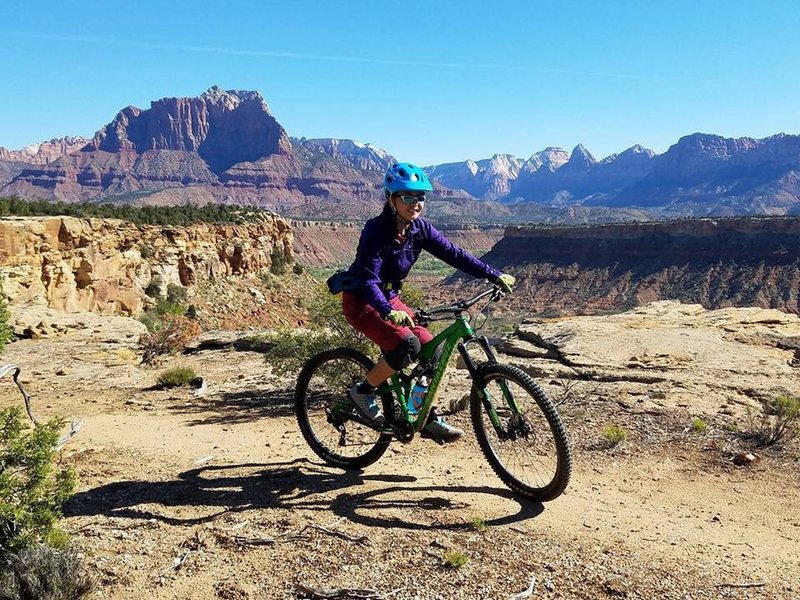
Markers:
(527, 593)
(307, 592)
(75, 426)
(743, 585)
(253, 541)
(362, 539)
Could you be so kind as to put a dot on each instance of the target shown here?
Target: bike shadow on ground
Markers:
(373, 500)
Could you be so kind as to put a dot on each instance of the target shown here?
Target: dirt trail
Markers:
(167, 478)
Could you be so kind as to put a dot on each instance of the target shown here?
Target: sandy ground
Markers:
(169, 482)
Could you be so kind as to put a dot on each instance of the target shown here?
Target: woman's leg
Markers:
(380, 373)
(398, 343)
(393, 340)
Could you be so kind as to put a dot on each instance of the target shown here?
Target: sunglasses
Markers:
(408, 199)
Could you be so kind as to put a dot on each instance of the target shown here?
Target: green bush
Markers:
(176, 377)
(5, 329)
(290, 349)
(153, 289)
(455, 559)
(413, 297)
(32, 491)
(479, 524)
(176, 294)
(44, 573)
(163, 314)
(279, 261)
(614, 434)
(699, 425)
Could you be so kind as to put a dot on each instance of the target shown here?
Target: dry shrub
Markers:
(172, 337)
(44, 573)
(778, 423)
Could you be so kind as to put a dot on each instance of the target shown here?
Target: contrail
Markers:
(330, 58)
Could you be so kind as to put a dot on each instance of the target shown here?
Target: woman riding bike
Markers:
(389, 246)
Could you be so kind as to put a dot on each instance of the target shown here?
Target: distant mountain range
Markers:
(225, 146)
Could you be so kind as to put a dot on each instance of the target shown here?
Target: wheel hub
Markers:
(518, 427)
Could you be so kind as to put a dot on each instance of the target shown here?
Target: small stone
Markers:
(745, 459)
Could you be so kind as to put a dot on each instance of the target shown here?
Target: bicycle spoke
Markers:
(520, 433)
(325, 413)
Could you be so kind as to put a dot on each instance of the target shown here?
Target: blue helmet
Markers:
(405, 177)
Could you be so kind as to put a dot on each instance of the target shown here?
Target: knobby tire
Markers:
(538, 464)
(325, 379)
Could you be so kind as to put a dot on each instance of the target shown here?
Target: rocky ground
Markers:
(217, 496)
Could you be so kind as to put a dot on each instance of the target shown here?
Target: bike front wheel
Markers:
(325, 414)
(520, 433)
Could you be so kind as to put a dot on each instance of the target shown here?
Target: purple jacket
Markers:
(380, 260)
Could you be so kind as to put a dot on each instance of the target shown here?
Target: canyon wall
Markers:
(104, 265)
(716, 263)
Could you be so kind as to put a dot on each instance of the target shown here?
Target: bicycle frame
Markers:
(520, 434)
(458, 335)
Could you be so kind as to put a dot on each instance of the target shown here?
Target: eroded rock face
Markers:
(104, 265)
(224, 128)
(668, 354)
(44, 152)
(223, 147)
(716, 263)
(321, 244)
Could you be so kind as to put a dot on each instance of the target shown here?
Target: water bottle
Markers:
(417, 395)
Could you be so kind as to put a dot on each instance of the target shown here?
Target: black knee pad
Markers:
(404, 353)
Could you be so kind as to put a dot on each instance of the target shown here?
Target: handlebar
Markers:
(424, 317)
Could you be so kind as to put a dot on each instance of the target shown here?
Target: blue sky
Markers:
(430, 82)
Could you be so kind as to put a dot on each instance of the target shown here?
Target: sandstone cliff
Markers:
(716, 263)
(104, 265)
(223, 146)
(13, 162)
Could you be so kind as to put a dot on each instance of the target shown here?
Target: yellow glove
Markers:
(506, 282)
(399, 317)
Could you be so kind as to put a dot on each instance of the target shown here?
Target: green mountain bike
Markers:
(516, 424)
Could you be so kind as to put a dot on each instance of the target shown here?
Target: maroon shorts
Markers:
(385, 334)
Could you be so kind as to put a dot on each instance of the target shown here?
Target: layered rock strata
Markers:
(716, 263)
(666, 355)
(321, 244)
(104, 265)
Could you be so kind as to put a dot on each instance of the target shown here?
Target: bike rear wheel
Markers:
(324, 412)
(527, 446)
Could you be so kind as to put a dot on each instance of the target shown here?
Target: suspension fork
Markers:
(477, 377)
